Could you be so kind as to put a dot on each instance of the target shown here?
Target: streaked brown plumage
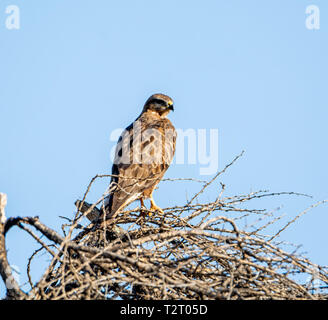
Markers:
(143, 154)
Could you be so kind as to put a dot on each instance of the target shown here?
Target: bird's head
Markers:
(160, 104)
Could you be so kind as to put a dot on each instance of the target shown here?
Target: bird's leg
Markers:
(153, 206)
(142, 204)
(142, 208)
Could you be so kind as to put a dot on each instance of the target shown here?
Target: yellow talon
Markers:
(154, 207)
(142, 208)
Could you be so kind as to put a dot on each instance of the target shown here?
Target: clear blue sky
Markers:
(76, 70)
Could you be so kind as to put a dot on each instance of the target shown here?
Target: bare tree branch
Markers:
(193, 251)
(13, 290)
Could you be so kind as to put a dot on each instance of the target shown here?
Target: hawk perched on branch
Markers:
(143, 153)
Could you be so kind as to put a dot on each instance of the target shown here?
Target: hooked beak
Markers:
(170, 107)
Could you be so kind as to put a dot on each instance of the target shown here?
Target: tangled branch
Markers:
(194, 251)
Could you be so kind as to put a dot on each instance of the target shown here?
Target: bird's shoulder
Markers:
(147, 120)
(146, 126)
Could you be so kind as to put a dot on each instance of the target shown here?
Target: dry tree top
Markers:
(194, 251)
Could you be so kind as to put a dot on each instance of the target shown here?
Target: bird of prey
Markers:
(143, 153)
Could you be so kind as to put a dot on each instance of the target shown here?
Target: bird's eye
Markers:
(161, 102)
